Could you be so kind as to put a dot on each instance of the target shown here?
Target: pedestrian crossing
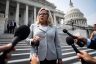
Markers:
(68, 54)
(21, 55)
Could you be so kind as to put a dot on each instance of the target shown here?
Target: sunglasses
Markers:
(43, 14)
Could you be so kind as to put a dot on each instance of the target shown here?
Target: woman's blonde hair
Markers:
(50, 19)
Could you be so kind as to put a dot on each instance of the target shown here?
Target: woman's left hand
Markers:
(60, 61)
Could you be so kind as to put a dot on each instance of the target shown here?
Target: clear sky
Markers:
(88, 7)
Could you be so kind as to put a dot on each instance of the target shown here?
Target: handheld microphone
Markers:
(20, 34)
(35, 43)
(74, 37)
(66, 31)
(70, 41)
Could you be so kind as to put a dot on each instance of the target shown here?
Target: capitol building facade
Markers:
(75, 21)
(24, 12)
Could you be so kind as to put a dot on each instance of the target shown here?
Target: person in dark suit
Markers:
(9, 26)
(13, 26)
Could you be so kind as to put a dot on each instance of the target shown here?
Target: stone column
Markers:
(7, 9)
(34, 14)
(63, 21)
(26, 16)
(6, 15)
(32, 17)
(60, 20)
(80, 22)
(76, 22)
(85, 23)
(17, 15)
(55, 22)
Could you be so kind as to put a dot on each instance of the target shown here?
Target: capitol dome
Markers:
(75, 15)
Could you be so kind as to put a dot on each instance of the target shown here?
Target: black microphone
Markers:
(20, 34)
(66, 31)
(35, 43)
(74, 37)
(70, 41)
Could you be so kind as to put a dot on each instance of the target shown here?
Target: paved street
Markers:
(21, 55)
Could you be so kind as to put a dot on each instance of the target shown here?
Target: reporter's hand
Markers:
(88, 58)
(34, 59)
(8, 56)
(8, 46)
(5, 47)
(81, 39)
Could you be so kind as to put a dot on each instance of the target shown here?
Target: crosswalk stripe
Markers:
(77, 63)
(20, 54)
(23, 46)
(70, 49)
(66, 53)
(65, 46)
(64, 59)
(74, 57)
(93, 52)
(62, 46)
(66, 49)
(19, 60)
(22, 49)
(69, 58)
(61, 50)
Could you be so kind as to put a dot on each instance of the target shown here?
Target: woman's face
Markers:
(43, 16)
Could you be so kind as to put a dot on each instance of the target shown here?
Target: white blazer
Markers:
(49, 46)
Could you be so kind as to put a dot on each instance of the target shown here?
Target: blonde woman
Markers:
(49, 50)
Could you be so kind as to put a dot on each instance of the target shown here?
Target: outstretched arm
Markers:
(88, 58)
(91, 35)
(5, 47)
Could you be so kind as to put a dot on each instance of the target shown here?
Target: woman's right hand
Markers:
(35, 41)
(36, 38)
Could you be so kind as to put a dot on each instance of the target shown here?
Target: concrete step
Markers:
(5, 40)
(21, 55)
(5, 36)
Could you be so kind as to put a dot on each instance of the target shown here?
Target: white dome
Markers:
(74, 14)
(73, 10)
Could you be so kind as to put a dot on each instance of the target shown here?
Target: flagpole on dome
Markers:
(71, 4)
